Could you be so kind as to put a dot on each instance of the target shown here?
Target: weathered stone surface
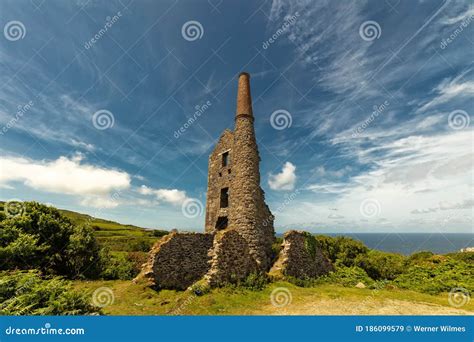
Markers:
(231, 260)
(301, 257)
(219, 177)
(246, 211)
(239, 225)
(177, 260)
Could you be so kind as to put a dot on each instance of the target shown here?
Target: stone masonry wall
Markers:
(178, 260)
(218, 177)
(301, 257)
(231, 260)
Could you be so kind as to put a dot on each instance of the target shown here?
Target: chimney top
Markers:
(244, 98)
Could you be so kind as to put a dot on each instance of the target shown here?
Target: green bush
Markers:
(341, 250)
(255, 281)
(437, 274)
(381, 265)
(348, 276)
(418, 257)
(116, 266)
(84, 253)
(467, 257)
(41, 237)
(137, 259)
(26, 293)
(276, 248)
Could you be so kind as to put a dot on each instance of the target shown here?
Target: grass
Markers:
(117, 237)
(138, 299)
(322, 298)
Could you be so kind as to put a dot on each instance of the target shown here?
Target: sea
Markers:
(409, 243)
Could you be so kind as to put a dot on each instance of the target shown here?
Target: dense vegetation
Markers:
(43, 249)
(422, 271)
(27, 293)
(46, 246)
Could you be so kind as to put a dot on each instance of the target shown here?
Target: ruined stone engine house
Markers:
(239, 230)
(235, 199)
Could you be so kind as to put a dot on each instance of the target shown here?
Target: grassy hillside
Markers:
(117, 237)
(325, 299)
(364, 281)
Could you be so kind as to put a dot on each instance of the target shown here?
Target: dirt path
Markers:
(368, 307)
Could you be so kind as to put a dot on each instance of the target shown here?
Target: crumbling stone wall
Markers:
(178, 260)
(231, 260)
(301, 257)
(219, 177)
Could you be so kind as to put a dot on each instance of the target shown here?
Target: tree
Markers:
(41, 237)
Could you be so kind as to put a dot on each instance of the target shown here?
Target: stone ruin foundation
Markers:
(239, 229)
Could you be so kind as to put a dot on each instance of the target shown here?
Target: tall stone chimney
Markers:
(244, 98)
(249, 214)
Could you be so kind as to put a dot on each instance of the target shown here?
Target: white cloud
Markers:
(285, 180)
(326, 37)
(468, 13)
(172, 196)
(100, 202)
(321, 171)
(63, 175)
(448, 90)
(466, 204)
(403, 173)
(83, 145)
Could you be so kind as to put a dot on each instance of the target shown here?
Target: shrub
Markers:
(348, 276)
(116, 266)
(437, 274)
(26, 293)
(41, 237)
(419, 257)
(141, 245)
(381, 265)
(255, 281)
(137, 259)
(276, 248)
(84, 253)
(341, 250)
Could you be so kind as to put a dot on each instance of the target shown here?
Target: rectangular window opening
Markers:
(224, 197)
(225, 158)
(222, 222)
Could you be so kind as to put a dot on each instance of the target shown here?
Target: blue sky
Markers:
(371, 100)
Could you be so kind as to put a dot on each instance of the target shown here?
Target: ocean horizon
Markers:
(409, 243)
